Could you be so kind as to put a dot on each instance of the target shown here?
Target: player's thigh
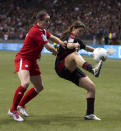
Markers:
(24, 77)
(73, 60)
(70, 63)
(87, 83)
(37, 82)
(79, 60)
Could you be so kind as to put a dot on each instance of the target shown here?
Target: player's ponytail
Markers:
(65, 33)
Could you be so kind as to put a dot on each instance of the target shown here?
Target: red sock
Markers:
(17, 97)
(30, 94)
(87, 67)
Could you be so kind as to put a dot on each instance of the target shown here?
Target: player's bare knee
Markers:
(25, 84)
(39, 89)
(92, 88)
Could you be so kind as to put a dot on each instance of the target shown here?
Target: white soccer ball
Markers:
(99, 53)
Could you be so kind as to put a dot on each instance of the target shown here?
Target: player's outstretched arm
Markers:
(49, 47)
(57, 40)
(89, 49)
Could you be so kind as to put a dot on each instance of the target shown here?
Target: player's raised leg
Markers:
(76, 59)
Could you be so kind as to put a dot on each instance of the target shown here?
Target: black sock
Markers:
(87, 67)
(90, 106)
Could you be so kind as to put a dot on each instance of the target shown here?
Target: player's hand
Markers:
(77, 46)
(54, 53)
(64, 44)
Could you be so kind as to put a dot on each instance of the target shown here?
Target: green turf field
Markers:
(61, 106)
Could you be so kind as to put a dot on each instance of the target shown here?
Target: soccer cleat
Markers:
(22, 111)
(97, 68)
(15, 116)
(103, 58)
(91, 117)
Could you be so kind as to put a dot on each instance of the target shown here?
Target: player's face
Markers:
(79, 32)
(45, 22)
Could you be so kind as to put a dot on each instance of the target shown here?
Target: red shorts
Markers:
(25, 64)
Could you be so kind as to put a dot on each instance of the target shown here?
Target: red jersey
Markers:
(34, 43)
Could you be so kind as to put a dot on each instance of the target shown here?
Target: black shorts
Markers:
(63, 72)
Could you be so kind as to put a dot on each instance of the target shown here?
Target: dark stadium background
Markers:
(101, 17)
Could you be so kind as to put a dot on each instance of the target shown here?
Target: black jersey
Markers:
(63, 52)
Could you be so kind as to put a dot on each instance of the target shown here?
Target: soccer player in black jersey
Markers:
(68, 59)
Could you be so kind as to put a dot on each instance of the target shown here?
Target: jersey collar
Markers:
(36, 26)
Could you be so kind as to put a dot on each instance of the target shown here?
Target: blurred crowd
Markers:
(101, 17)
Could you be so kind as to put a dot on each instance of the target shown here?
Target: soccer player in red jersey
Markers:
(68, 60)
(26, 64)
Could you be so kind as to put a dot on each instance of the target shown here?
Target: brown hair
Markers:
(76, 25)
(41, 14)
